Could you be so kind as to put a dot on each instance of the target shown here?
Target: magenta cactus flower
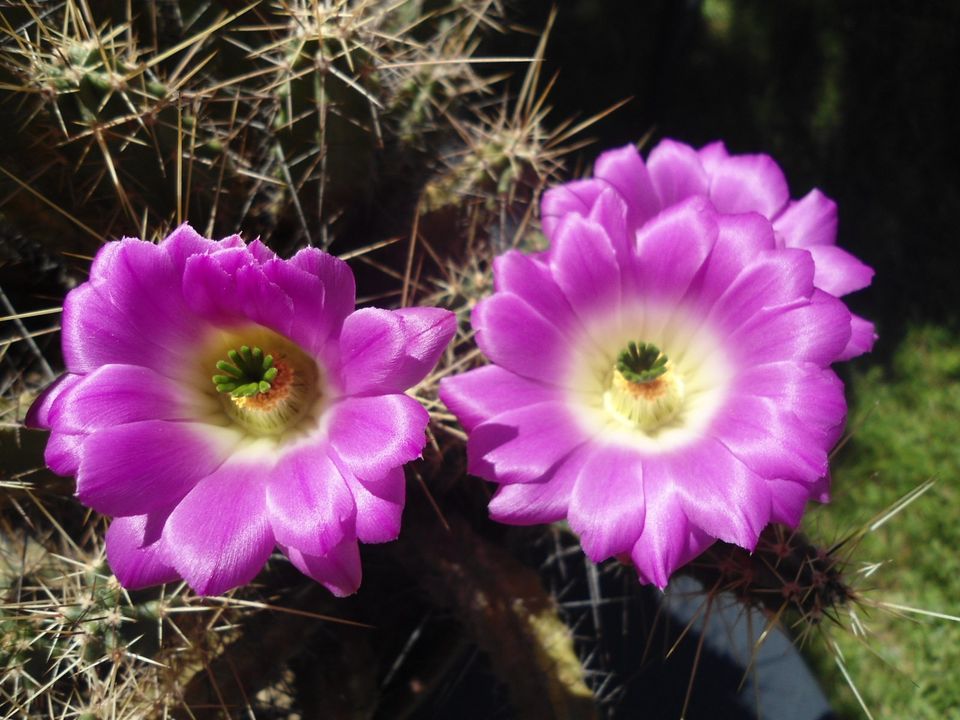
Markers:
(674, 172)
(660, 378)
(220, 402)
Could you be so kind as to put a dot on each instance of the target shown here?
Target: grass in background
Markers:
(906, 424)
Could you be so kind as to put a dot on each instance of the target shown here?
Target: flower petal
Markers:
(624, 170)
(572, 197)
(672, 248)
(136, 562)
(512, 334)
(719, 493)
(219, 536)
(338, 571)
(808, 222)
(544, 501)
(816, 332)
(373, 435)
(478, 395)
(379, 505)
(386, 351)
(839, 272)
(748, 183)
(322, 290)
(38, 416)
(143, 466)
(121, 394)
(523, 445)
(532, 281)
(308, 501)
(607, 507)
(676, 172)
(862, 337)
(584, 265)
(63, 452)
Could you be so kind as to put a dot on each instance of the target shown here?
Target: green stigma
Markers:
(249, 372)
(641, 363)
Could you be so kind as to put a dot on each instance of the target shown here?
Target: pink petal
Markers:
(38, 416)
(839, 272)
(523, 445)
(623, 169)
(572, 197)
(185, 242)
(607, 507)
(862, 337)
(748, 183)
(478, 395)
(63, 453)
(140, 467)
(770, 440)
(672, 248)
(668, 540)
(816, 332)
(339, 570)
(719, 494)
(136, 562)
(533, 282)
(676, 172)
(120, 394)
(219, 536)
(584, 265)
(321, 288)
(379, 505)
(384, 351)
(373, 435)
(544, 501)
(308, 501)
(788, 501)
(514, 335)
(808, 222)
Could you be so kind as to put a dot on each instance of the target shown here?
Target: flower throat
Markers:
(644, 390)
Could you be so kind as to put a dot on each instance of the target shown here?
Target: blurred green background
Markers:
(860, 99)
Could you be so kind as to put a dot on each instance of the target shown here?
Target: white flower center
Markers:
(664, 402)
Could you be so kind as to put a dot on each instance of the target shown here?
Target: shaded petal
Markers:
(719, 494)
(95, 332)
(624, 170)
(338, 571)
(862, 337)
(584, 265)
(788, 501)
(808, 222)
(811, 393)
(308, 501)
(668, 539)
(676, 172)
(771, 440)
(533, 282)
(373, 435)
(219, 536)
(136, 562)
(478, 395)
(38, 416)
(384, 351)
(673, 247)
(607, 507)
(63, 453)
(839, 272)
(572, 197)
(379, 505)
(544, 501)
(514, 335)
(323, 293)
(143, 466)
(523, 445)
(748, 183)
(185, 242)
(120, 394)
(816, 332)
(775, 278)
